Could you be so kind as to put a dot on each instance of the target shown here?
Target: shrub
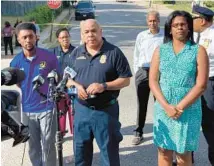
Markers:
(42, 14)
(209, 3)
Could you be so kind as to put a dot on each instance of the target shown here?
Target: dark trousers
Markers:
(208, 119)
(8, 41)
(103, 125)
(143, 90)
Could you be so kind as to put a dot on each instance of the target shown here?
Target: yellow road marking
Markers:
(104, 26)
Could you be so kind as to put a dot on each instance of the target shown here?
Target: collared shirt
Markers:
(62, 56)
(207, 41)
(43, 63)
(107, 65)
(145, 45)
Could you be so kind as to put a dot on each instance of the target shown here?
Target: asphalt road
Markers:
(110, 15)
(121, 22)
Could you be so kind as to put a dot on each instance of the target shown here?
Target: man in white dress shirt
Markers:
(146, 42)
(204, 28)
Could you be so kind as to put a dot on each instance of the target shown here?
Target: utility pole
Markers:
(150, 3)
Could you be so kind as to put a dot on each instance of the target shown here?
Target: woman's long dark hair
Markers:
(168, 24)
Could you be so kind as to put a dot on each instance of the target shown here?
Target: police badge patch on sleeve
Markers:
(206, 43)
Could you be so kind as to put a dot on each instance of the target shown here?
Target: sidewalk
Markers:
(154, 6)
(45, 34)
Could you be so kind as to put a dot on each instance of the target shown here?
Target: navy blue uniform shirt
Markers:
(107, 65)
(43, 63)
(63, 57)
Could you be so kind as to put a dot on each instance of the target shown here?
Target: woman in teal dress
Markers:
(178, 76)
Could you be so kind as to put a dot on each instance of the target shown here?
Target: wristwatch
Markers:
(104, 85)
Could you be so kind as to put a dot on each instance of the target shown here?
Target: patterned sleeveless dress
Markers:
(177, 78)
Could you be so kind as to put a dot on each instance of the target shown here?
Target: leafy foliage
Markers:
(209, 4)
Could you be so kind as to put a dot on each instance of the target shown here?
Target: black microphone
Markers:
(62, 84)
(38, 81)
(68, 73)
(11, 76)
(52, 78)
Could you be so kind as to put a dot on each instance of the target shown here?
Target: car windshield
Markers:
(84, 5)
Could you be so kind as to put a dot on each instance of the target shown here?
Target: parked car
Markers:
(84, 10)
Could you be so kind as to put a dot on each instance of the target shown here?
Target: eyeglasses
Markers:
(179, 24)
(64, 37)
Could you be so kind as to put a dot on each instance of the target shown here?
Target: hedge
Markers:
(42, 14)
(209, 4)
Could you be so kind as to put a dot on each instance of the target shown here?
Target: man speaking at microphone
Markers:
(36, 62)
(102, 70)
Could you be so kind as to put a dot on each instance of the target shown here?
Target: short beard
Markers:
(31, 49)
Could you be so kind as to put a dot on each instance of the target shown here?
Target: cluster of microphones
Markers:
(10, 126)
(55, 86)
(10, 76)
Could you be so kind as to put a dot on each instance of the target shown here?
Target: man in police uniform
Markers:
(102, 70)
(63, 52)
(204, 28)
(35, 61)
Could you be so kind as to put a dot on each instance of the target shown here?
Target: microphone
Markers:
(11, 76)
(68, 73)
(52, 78)
(38, 81)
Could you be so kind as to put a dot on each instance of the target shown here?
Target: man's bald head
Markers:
(91, 32)
(90, 22)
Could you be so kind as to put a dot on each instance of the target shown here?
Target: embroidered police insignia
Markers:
(206, 43)
(42, 65)
(81, 57)
(103, 59)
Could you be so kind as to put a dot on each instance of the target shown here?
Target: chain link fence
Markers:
(19, 8)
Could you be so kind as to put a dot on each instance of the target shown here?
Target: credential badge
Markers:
(103, 59)
(42, 65)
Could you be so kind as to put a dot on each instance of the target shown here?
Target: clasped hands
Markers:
(173, 112)
(92, 89)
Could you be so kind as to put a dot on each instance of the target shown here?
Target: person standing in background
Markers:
(146, 43)
(63, 52)
(7, 33)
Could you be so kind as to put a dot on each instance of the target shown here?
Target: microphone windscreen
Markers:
(17, 75)
(70, 71)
